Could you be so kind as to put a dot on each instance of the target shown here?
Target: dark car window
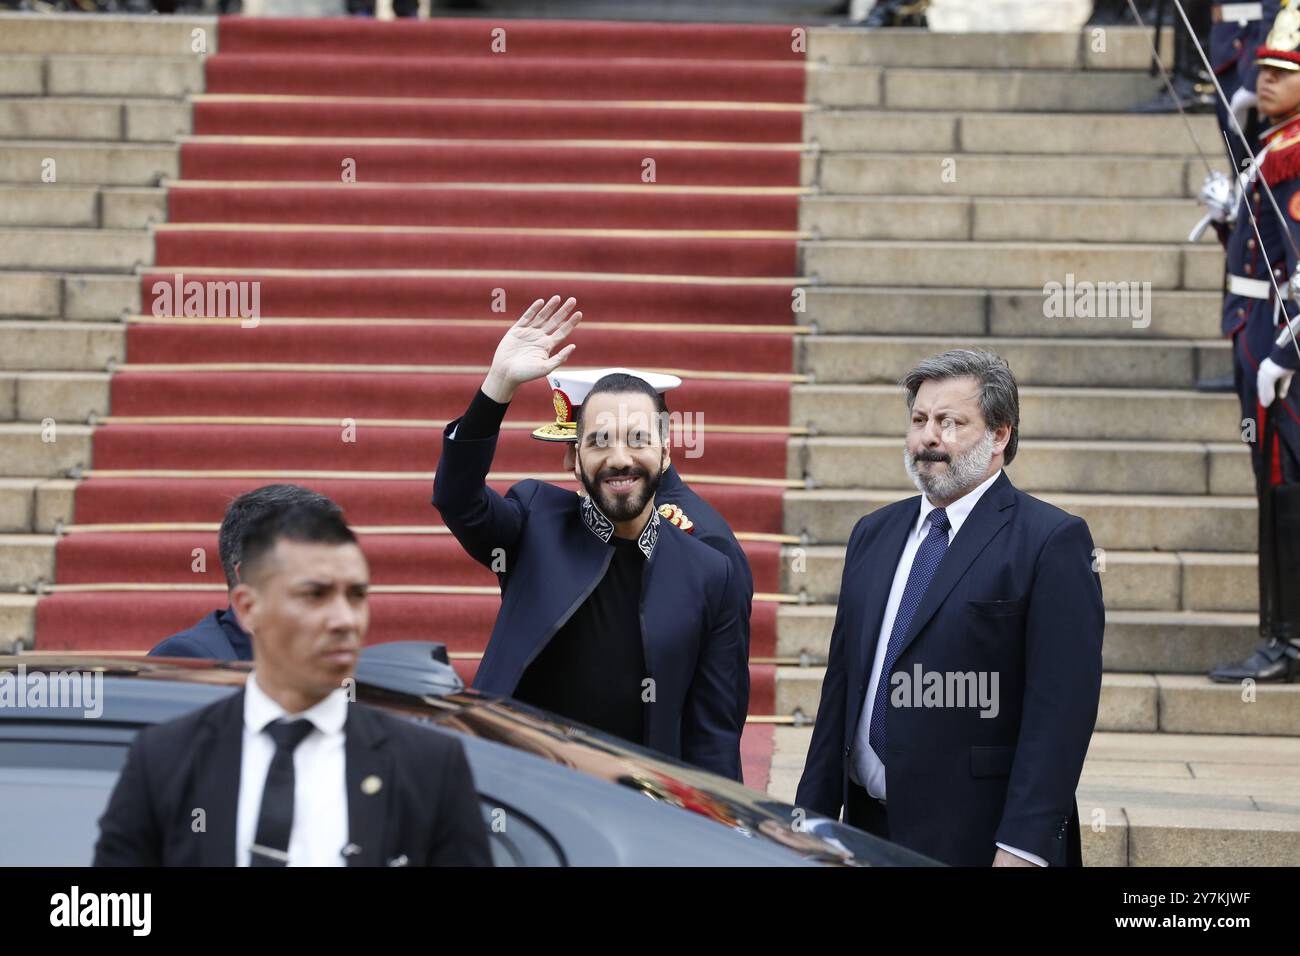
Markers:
(51, 814)
(54, 791)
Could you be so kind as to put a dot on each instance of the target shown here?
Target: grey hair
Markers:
(999, 396)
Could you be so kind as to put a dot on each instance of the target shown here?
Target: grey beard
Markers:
(964, 472)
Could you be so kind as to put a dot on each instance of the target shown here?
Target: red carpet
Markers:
(167, 557)
(575, 109)
(439, 397)
(518, 208)
(437, 119)
(393, 249)
(425, 345)
(486, 76)
(524, 38)
(472, 297)
(367, 502)
(321, 448)
(542, 162)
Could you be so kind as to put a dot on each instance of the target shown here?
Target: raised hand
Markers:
(524, 353)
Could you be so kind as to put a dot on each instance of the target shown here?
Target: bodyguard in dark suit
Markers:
(964, 671)
(609, 615)
(219, 635)
(289, 771)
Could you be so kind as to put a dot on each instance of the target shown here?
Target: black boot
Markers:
(895, 13)
(1276, 662)
(1193, 95)
(1108, 13)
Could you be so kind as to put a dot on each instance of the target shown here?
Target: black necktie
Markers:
(271, 844)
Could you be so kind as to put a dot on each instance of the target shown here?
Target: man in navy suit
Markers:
(964, 671)
(675, 500)
(610, 616)
(219, 635)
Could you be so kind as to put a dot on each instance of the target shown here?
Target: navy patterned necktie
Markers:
(926, 562)
(275, 822)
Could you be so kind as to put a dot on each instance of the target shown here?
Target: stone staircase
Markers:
(90, 112)
(950, 179)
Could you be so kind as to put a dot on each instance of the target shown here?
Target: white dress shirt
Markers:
(866, 769)
(320, 793)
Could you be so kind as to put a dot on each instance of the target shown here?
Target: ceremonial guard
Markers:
(610, 615)
(1265, 355)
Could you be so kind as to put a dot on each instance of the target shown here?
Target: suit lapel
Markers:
(220, 748)
(370, 787)
(879, 578)
(985, 520)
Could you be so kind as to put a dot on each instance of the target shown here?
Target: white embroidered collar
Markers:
(603, 528)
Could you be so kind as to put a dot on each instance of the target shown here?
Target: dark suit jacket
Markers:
(216, 636)
(713, 530)
(427, 809)
(1015, 595)
(555, 548)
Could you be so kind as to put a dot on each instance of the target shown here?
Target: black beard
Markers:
(616, 509)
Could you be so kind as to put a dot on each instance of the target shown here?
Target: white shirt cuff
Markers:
(1036, 860)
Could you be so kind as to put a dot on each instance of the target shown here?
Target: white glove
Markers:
(1243, 101)
(1218, 197)
(1270, 373)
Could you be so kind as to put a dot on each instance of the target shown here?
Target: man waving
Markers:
(609, 615)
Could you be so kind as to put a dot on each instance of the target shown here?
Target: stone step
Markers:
(1096, 363)
(1085, 414)
(1161, 836)
(1006, 312)
(56, 206)
(1130, 580)
(25, 559)
(1169, 364)
(29, 449)
(22, 76)
(132, 207)
(17, 622)
(1115, 48)
(103, 250)
(1094, 467)
(18, 505)
(105, 34)
(1117, 522)
(59, 118)
(70, 397)
(910, 88)
(153, 77)
(99, 164)
(1143, 703)
(977, 174)
(1169, 642)
(874, 410)
(30, 294)
(52, 504)
(1158, 799)
(1045, 134)
(899, 218)
(63, 346)
(1021, 265)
